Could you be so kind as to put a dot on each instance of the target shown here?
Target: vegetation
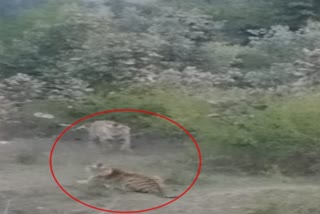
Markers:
(242, 78)
(295, 201)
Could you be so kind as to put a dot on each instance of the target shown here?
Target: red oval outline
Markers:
(125, 110)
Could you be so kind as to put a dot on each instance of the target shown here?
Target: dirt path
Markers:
(32, 190)
(200, 200)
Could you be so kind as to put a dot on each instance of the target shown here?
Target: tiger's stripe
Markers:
(134, 182)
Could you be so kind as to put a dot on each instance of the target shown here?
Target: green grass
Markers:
(285, 136)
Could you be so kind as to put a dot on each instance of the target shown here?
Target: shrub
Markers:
(281, 45)
(269, 61)
(286, 135)
(170, 102)
(277, 75)
(252, 58)
(219, 57)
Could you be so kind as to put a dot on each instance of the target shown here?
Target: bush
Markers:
(281, 45)
(269, 60)
(277, 75)
(169, 102)
(219, 57)
(252, 59)
(285, 135)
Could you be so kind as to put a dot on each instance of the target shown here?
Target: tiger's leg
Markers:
(82, 181)
(92, 141)
(89, 180)
(107, 186)
(106, 144)
(121, 188)
(126, 145)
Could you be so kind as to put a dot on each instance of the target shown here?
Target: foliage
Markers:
(296, 13)
(286, 131)
(190, 79)
(13, 8)
(219, 57)
(114, 57)
(117, 6)
(240, 16)
(44, 50)
(91, 45)
(269, 61)
(308, 68)
(22, 89)
(46, 12)
(16, 91)
(172, 103)
(243, 15)
(132, 21)
(30, 68)
(170, 57)
(278, 74)
(183, 33)
(283, 45)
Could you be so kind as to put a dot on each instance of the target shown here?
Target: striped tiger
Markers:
(128, 181)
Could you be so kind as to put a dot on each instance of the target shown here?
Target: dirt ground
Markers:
(26, 185)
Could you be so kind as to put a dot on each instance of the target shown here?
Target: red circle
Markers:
(126, 110)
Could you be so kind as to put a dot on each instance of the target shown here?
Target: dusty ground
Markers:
(27, 183)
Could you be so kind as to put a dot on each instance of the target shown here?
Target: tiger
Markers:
(126, 180)
(105, 132)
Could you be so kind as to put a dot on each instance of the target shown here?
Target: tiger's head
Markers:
(96, 168)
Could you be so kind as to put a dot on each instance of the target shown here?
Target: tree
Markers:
(116, 6)
(297, 12)
(12, 8)
(183, 34)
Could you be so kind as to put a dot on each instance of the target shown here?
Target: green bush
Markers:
(268, 61)
(172, 103)
(285, 135)
(253, 59)
(280, 45)
(219, 57)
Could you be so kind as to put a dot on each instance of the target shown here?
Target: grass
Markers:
(283, 136)
(287, 202)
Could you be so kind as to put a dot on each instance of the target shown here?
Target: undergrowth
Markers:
(283, 136)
